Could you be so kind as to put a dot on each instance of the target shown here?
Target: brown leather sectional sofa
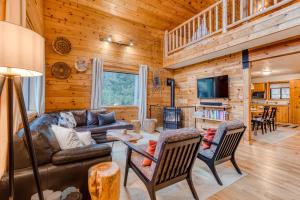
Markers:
(58, 168)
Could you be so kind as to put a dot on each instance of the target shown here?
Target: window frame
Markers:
(280, 89)
(119, 72)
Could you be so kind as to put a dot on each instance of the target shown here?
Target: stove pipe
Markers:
(171, 82)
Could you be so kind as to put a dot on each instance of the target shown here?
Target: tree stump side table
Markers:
(149, 125)
(104, 181)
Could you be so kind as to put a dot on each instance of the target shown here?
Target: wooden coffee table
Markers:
(123, 135)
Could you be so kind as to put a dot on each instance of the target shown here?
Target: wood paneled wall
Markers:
(84, 27)
(186, 85)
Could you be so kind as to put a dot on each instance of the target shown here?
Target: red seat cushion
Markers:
(151, 150)
(209, 136)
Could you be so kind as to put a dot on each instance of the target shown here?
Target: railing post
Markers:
(166, 40)
(224, 10)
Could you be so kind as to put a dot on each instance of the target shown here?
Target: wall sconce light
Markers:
(130, 43)
(120, 43)
(109, 38)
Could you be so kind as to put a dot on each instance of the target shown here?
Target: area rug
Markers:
(203, 179)
(277, 136)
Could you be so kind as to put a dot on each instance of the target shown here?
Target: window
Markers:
(119, 89)
(280, 91)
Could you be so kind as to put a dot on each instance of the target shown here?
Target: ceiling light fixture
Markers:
(266, 72)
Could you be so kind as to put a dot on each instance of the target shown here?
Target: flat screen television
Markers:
(213, 87)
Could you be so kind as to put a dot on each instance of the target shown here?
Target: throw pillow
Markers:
(209, 136)
(151, 150)
(86, 138)
(66, 137)
(66, 119)
(105, 119)
(92, 116)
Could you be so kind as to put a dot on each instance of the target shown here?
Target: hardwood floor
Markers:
(273, 172)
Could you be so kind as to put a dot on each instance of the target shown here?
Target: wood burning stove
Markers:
(172, 115)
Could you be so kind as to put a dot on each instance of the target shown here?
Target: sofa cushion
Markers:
(21, 156)
(85, 137)
(66, 137)
(67, 119)
(46, 119)
(106, 119)
(80, 117)
(92, 116)
(42, 148)
(102, 129)
(46, 131)
(81, 153)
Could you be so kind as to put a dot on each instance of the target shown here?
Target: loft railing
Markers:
(219, 17)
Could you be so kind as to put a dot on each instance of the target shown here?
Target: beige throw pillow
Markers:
(66, 137)
(85, 138)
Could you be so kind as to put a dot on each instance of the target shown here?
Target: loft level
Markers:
(229, 26)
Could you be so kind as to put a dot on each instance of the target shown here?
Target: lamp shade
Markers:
(22, 51)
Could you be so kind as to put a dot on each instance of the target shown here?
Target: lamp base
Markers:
(11, 82)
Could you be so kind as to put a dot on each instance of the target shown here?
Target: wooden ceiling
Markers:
(159, 14)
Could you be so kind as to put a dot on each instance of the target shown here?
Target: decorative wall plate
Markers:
(61, 70)
(81, 64)
(61, 45)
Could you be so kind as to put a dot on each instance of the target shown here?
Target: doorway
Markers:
(275, 87)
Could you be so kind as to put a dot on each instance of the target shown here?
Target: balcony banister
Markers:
(219, 17)
(224, 17)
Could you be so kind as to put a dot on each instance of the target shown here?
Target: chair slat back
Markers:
(273, 113)
(266, 112)
(176, 159)
(229, 143)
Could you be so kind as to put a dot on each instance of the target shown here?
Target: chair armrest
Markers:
(211, 142)
(140, 151)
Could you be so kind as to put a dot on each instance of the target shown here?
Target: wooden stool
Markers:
(149, 125)
(104, 181)
(136, 125)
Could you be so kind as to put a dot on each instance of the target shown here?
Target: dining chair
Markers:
(172, 162)
(261, 121)
(223, 147)
(271, 121)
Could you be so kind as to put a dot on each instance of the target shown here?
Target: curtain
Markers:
(34, 93)
(143, 74)
(97, 83)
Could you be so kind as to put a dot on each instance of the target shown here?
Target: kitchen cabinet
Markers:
(295, 101)
(259, 87)
(282, 115)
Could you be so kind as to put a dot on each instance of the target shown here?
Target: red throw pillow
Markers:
(151, 150)
(209, 136)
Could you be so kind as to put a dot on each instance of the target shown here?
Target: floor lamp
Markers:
(22, 54)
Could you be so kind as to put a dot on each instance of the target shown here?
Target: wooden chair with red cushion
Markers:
(223, 146)
(172, 162)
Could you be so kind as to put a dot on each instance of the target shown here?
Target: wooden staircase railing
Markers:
(218, 18)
